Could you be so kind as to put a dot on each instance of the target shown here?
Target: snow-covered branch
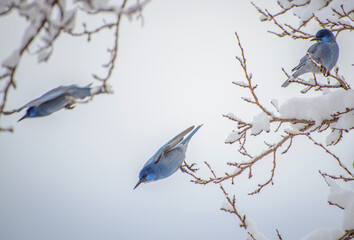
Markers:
(47, 20)
(335, 15)
(330, 115)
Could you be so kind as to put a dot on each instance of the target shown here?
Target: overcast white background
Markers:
(71, 175)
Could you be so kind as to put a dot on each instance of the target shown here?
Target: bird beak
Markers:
(25, 116)
(140, 181)
(315, 39)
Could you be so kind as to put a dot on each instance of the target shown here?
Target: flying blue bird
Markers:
(325, 52)
(167, 159)
(56, 99)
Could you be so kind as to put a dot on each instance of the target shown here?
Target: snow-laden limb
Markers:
(333, 105)
(336, 15)
(330, 114)
(47, 21)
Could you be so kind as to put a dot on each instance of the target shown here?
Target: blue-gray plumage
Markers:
(168, 159)
(325, 52)
(56, 99)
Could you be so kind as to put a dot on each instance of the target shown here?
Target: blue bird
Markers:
(325, 52)
(167, 159)
(56, 99)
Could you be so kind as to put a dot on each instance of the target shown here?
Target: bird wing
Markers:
(171, 144)
(312, 50)
(327, 55)
(54, 93)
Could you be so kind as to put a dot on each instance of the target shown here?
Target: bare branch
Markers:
(330, 153)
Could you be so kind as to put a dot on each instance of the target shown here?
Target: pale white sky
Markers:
(71, 175)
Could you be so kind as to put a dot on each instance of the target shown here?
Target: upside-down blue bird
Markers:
(325, 52)
(168, 159)
(56, 99)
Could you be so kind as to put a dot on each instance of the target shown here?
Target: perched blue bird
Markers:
(167, 159)
(56, 99)
(325, 52)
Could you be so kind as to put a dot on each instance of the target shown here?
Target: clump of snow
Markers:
(318, 108)
(252, 229)
(345, 199)
(233, 137)
(306, 12)
(333, 137)
(260, 123)
(275, 103)
(306, 89)
(324, 234)
(232, 116)
(296, 128)
(346, 121)
(226, 206)
(241, 83)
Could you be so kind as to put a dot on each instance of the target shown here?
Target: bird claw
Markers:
(71, 103)
(189, 167)
(325, 72)
(70, 106)
(323, 69)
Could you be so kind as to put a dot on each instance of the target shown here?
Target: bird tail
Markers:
(186, 140)
(286, 83)
(295, 75)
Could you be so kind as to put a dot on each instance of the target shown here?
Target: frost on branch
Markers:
(330, 115)
(47, 21)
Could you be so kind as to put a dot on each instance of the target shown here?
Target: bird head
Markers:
(147, 174)
(324, 35)
(31, 112)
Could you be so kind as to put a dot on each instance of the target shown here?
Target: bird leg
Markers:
(189, 167)
(323, 69)
(320, 67)
(71, 103)
(325, 72)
